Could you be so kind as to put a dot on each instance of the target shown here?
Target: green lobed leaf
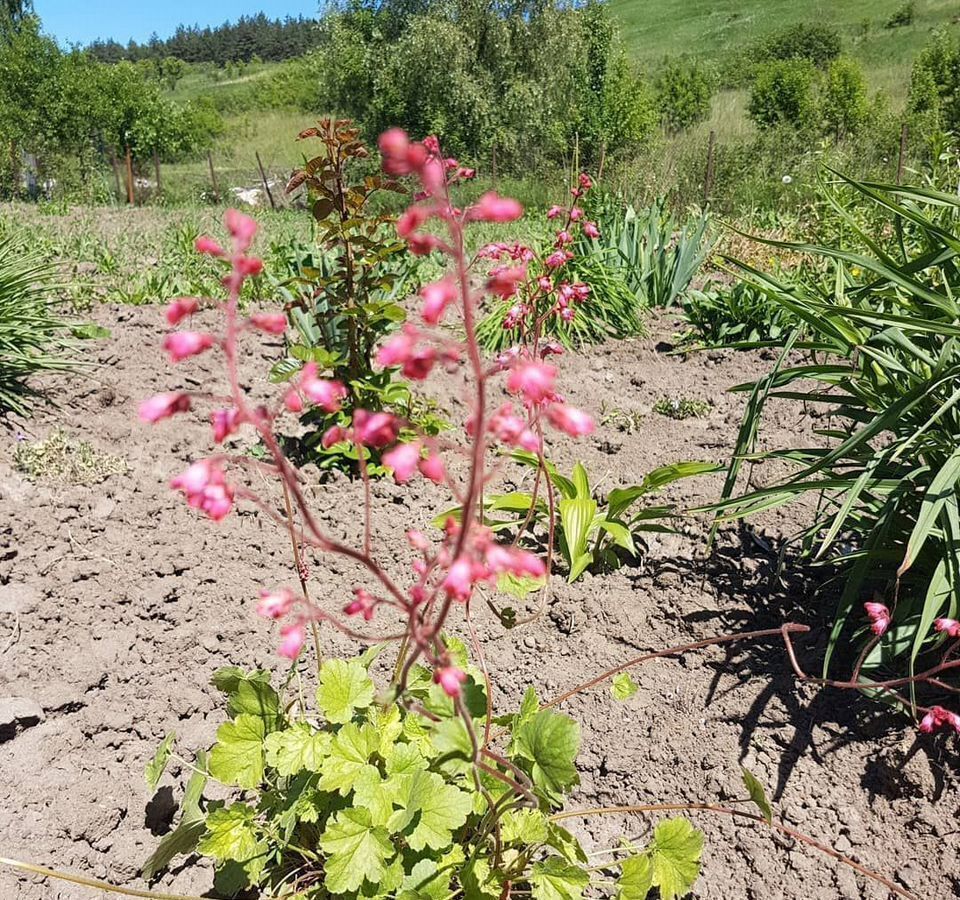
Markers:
(550, 742)
(155, 768)
(430, 810)
(297, 748)
(524, 826)
(636, 878)
(344, 688)
(757, 794)
(231, 834)
(356, 851)
(350, 752)
(237, 757)
(623, 687)
(556, 879)
(255, 697)
(675, 857)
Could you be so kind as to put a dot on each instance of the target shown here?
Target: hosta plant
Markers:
(590, 532)
(355, 795)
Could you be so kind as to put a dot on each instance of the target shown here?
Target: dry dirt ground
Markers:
(117, 603)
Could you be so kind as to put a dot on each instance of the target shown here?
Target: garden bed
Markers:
(117, 604)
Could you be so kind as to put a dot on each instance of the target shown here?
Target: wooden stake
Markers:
(708, 175)
(130, 198)
(156, 169)
(263, 178)
(902, 160)
(213, 178)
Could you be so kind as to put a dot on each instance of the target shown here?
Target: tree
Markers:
(684, 91)
(783, 94)
(845, 106)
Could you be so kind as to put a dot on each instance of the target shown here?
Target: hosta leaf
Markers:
(433, 809)
(297, 748)
(356, 851)
(350, 751)
(231, 834)
(156, 767)
(757, 794)
(555, 879)
(675, 857)
(550, 742)
(623, 687)
(344, 688)
(237, 757)
(636, 878)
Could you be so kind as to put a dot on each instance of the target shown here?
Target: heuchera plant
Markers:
(420, 792)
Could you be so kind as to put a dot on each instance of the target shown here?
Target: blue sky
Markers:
(80, 21)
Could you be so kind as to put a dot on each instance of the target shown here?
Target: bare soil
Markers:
(117, 603)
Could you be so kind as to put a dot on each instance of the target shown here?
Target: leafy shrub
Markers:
(384, 800)
(735, 315)
(902, 15)
(817, 44)
(844, 104)
(935, 81)
(784, 93)
(886, 368)
(684, 91)
(33, 340)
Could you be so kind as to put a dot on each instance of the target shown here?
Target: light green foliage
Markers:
(61, 459)
(740, 315)
(623, 687)
(684, 91)
(591, 532)
(675, 857)
(363, 802)
(935, 81)
(681, 408)
(784, 92)
(883, 321)
(844, 104)
(757, 794)
(816, 43)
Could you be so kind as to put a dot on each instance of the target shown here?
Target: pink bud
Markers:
(558, 258)
(271, 323)
(590, 230)
(241, 227)
(334, 435)
(418, 540)
(535, 380)
(375, 429)
(504, 280)
(162, 406)
(274, 604)
(293, 401)
(437, 296)
(433, 176)
(432, 467)
(205, 486)
(181, 308)
(363, 602)
(493, 208)
(248, 266)
(517, 562)
(459, 581)
(182, 344)
(225, 422)
(879, 616)
(564, 238)
(585, 181)
(394, 142)
(950, 626)
(418, 365)
(292, 639)
(412, 219)
(324, 392)
(555, 212)
(209, 246)
(571, 421)
(403, 460)
(450, 678)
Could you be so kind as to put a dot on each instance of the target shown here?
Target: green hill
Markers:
(718, 29)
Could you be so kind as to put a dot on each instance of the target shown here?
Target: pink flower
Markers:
(209, 246)
(459, 581)
(493, 208)
(248, 266)
(182, 344)
(564, 238)
(293, 401)
(558, 258)
(576, 213)
(363, 602)
(411, 219)
(334, 435)
(396, 351)
(504, 280)
(585, 181)
(275, 604)
(225, 422)
(535, 380)
(205, 486)
(590, 230)
(437, 296)
(292, 639)
(521, 563)
(403, 460)
(375, 429)
(419, 363)
(879, 617)
(937, 717)
(394, 142)
(571, 421)
(271, 323)
(950, 626)
(162, 406)
(181, 308)
(508, 427)
(450, 678)
(241, 227)
(418, 540)
(432, 467)
(555, 212)
(326, 393)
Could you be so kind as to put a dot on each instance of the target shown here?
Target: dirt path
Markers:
(117, 603)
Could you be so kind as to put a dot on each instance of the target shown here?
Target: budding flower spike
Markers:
(879, 616)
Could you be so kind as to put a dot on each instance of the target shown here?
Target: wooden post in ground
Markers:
(156, 169)
(213, 178)
(130, 198)
(263, 178)
(902, 159)
(708, 175)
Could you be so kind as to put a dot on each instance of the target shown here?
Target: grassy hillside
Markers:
(718, 29)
